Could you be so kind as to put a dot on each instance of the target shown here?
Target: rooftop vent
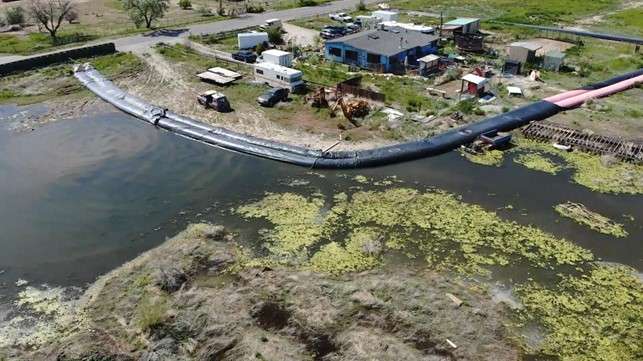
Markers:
(373, 36)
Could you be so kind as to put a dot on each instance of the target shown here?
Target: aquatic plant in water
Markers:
(359, 253)
(449, 233)
(536, 161)
(491, 157)
(579, 213)
(590, 172)
(594, 316)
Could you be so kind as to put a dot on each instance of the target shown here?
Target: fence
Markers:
(57, 57)
(352, 86)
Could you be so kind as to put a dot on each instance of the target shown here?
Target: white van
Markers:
(271, 24)
(279, 76)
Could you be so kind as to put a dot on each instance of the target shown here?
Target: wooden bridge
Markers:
(630, 151)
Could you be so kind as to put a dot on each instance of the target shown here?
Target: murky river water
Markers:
(80, 197)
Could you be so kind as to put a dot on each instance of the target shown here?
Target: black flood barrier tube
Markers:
(227, 139)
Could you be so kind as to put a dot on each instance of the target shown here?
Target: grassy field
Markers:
(526, 11)
(57, 81)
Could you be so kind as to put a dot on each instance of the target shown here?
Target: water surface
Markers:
(80, 197)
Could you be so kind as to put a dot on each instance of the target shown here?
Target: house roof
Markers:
(555, 54)
(472, 78)
(461, 21)
(527, 45)
(275, 52)
(385, 42)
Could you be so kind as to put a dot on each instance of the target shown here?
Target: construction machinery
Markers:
(352, 108)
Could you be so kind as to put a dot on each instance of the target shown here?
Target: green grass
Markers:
(526, 11)
(291, 4)
(183, 54)
(629, 21)
(227, 43)
(57, 80)
(35, 42)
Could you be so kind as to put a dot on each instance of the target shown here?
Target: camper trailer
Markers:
(250, 40)
(279, 76)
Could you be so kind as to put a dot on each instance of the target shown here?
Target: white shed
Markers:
(278, 57)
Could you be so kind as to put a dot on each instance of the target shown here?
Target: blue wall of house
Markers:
(384, 60)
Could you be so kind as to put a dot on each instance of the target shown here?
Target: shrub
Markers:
(15, 15)
(71, 16)
(361, 6)
(307, 2)
(254, 8)
(275, 36)
(261, 47)
(185, 4)
(204, 11)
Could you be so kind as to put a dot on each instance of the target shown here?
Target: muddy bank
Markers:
(190, 299)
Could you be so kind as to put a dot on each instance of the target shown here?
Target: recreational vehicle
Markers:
(279, 76)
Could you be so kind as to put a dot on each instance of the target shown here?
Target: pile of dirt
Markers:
(190, 300)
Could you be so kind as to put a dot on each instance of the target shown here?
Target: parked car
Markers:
(247, 56)
(273, 96)
(214, 100)
(331, 32)
(343, 17)
(354, 27)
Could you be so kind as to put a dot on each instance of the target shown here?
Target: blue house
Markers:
(381, 50)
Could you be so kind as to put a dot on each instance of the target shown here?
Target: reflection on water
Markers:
(81, 197)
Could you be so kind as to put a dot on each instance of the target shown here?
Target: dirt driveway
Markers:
(299, 36)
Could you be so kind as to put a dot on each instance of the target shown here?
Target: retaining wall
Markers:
(40, 61)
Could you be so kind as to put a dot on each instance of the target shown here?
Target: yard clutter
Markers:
(219, 76)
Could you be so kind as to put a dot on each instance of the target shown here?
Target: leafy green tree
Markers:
(145, 12)
(185, 4)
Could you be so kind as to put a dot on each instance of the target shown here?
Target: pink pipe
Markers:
(577, 100)
(565, 95)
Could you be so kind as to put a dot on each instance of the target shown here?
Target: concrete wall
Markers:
(57, 57)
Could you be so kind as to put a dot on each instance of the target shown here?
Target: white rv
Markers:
(279, 76)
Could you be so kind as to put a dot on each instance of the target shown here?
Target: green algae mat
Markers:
(592, 312)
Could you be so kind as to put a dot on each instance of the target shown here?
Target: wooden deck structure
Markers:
(630, 151)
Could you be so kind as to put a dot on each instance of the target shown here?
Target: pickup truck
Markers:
(343, 17)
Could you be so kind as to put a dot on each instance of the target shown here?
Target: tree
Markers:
(185, 4)
(71, 16)
(145, 11)
(50, 14)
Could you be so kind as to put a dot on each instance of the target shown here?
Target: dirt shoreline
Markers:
(188, 299)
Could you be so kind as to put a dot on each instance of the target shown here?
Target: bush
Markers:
(307, 2)
(71, 16)
(185, 4)
(254, 8)
(361, 6)
(15, 15)
(204, 11)
(275, 36)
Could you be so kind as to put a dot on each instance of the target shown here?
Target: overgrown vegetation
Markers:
(593, 316)
(537, 161)
(593, 220)
(490, 158)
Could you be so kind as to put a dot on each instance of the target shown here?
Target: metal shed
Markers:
(553, 60)
(523, 51)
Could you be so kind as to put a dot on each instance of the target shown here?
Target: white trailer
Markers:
(250, 40)
(279, 76)
(278, 57)
(367, 21)
(386, 15)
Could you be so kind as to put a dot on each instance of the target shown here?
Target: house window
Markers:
(335, 51)
(373, 58)
(259, 71)
(351, 55)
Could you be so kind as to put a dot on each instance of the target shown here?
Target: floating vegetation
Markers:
(491, 157)
(449, 233)
(297, 221)
(590, 172)
(360, 179)
(593, 220)
(47, 314)
(359, 253)
(536, 161)
(596, 316)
